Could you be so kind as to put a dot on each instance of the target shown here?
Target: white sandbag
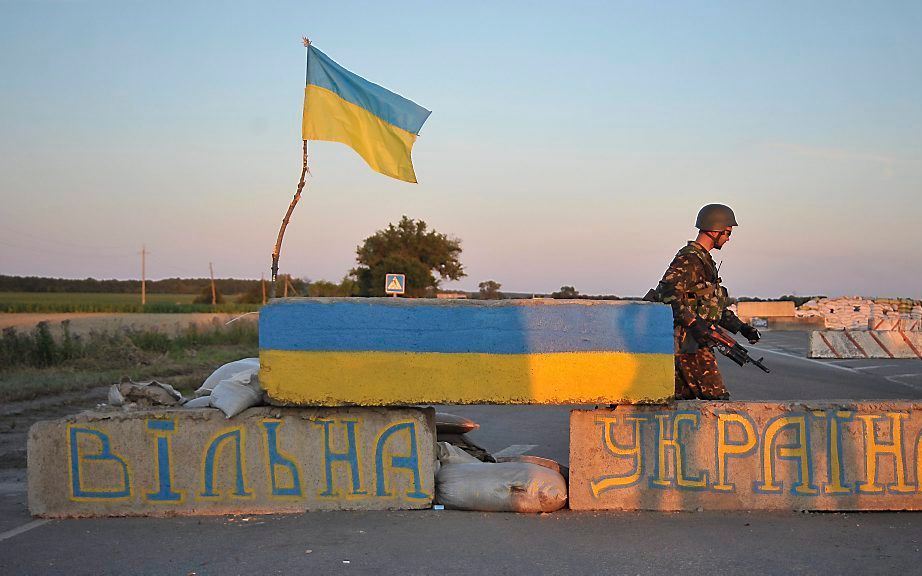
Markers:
(451, 454)
(151, 393)
(201, 402)
(233, 397)
(502, 487)
(546, 462)
(115, 397)
(247, 365)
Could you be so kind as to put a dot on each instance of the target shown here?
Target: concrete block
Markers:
(865, 344)
(835, 455)
(746, 310)
(383, 351)
(265, 460)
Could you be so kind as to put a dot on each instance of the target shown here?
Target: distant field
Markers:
(103, 302)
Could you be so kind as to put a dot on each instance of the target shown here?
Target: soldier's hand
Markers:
(700, 331)
(750, 333)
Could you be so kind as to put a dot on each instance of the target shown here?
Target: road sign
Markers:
(395, 284)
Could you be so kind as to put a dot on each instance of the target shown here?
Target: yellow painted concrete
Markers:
(386, 378)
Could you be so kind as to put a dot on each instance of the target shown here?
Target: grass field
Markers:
(103, 302)
(50, 359)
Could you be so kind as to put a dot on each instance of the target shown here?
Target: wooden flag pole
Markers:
(278, 243)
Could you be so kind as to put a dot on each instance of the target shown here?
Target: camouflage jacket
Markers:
(691, 286)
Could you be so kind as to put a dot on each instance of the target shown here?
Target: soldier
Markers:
(691, 286)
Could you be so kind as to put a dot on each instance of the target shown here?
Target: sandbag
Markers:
(450, 454)
(233, 397)
(463, 442)
(248, 366)
(201, 402)
(452, 424)
(503, 487)
(546, 462)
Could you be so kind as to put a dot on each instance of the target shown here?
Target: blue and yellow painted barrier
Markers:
(748, 456)
(385, 351)
(181, 462)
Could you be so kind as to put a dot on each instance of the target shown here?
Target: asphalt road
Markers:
(449, 542)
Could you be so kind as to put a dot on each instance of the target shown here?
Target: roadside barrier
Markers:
(172, 462)
(344, 362)
(748, 456)
(392, 351)
(865, 344)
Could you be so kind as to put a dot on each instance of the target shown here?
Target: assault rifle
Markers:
(718, 338)
(732, 349)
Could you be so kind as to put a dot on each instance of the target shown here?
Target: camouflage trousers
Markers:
(697, 376)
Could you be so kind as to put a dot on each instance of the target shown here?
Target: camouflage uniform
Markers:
(691, 286)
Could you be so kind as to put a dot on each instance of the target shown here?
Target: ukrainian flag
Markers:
(340, 106)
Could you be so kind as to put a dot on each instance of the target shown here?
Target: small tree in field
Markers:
(566, 292)
(489, 290)
(426, 257)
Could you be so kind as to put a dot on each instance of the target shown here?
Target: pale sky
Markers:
(570, 143)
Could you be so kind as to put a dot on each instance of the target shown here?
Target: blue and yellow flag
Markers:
(340, 106)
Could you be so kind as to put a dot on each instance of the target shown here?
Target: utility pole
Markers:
(143, 274)
(214, 294)
(263, 280)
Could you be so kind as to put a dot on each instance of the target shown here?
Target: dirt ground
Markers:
(17, 417)
(84, 322)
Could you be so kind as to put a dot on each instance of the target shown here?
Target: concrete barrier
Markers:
(383, 351)
(266, 460)
(747, 310)
(865, 344)
(748, 456)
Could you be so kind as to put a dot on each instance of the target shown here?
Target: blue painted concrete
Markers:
(405, 325)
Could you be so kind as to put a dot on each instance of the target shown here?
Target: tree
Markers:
(408, 248)
(204, 296)
(566, 292)
(489, 290)
(326, 288)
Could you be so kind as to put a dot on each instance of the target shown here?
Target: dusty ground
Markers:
(84, 322)
(17, 417)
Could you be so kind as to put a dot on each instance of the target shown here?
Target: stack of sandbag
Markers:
(232, 388)
(469, 478)
(465, 483)
(808, 309)
(884, 316)
(847, 313)
(915, 319)
(453, 430)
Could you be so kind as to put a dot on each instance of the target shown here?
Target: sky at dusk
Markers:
(570, 143)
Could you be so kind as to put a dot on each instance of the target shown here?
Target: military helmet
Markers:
(715, 217)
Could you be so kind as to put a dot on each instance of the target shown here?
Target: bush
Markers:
(205, 296)
(42, 349)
